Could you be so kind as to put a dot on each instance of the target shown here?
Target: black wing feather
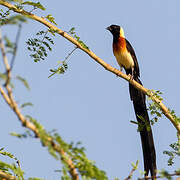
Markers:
(131, 50)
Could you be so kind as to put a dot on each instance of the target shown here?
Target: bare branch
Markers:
(96, 58)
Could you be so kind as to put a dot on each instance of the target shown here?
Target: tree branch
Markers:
(5, 60)
(131, 174)
(97, 59)
(157, 177)
(9, 99)
(5, 176)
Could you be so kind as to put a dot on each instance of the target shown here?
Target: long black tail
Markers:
(149, 154)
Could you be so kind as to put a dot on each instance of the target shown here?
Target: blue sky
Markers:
(88, 103)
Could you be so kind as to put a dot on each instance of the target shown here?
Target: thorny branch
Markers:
(97, 59)
(7, 94)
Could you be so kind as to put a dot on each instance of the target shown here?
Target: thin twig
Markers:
(67, 57)
(164, 109)
(131, 173)
(16, 46)
(34, 8)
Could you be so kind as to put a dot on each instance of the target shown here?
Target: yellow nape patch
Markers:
(122, 33)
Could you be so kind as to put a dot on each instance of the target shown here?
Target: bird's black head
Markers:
(115, 30)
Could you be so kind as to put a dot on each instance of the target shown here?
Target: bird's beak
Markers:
(108, 28)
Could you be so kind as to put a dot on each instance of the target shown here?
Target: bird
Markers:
(126, 58)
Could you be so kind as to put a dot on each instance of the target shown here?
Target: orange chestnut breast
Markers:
(120, 45)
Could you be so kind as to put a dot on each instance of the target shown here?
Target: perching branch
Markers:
(162, 176)
(9, 99)
(147, 92)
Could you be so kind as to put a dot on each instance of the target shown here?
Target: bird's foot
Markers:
(131, 77)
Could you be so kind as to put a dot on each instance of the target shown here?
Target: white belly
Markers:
(124, 59)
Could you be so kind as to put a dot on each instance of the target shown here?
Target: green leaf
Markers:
(1, 149)
(26, 104)
(26, 134)
(7, 154)
(18, 135)
(51, 19)
(25, 83)
(135, 166)
(36, 5)
(73, 33)
(3, 76)
(165, 174)
(49, 39)
(8, 43)
(47, 45)
(52, 31)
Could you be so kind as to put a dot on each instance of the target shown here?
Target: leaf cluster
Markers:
(175, 117)
(75, 152)
(20, 4)
(175, 152)
(11, 169)
(73, 33)
(39, 46)
(26, 134)
(143, 124)
(63, 64)
(154, 107)
(60, 70)
(14, 168)
(86, 167)
(4, 16)
(51, 19)
(167, 175)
